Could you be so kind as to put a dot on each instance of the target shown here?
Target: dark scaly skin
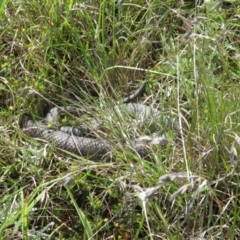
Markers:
(79, 145)
(139, 91)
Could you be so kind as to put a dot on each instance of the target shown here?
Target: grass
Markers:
(92, 54)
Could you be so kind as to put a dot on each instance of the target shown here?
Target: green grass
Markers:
(91, 55)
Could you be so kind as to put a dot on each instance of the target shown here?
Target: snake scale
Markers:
(82, 141)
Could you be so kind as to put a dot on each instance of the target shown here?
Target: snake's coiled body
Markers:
(87, 143)
(79, 145)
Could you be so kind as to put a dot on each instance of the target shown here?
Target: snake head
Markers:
(23, 120)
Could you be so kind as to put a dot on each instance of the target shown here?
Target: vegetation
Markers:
(91, 54)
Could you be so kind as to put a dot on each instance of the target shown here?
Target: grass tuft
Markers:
(91, 55)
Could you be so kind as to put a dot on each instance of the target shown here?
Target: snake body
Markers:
(83, 142)
(79, 145)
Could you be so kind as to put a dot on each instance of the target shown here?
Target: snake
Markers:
(82, 140)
